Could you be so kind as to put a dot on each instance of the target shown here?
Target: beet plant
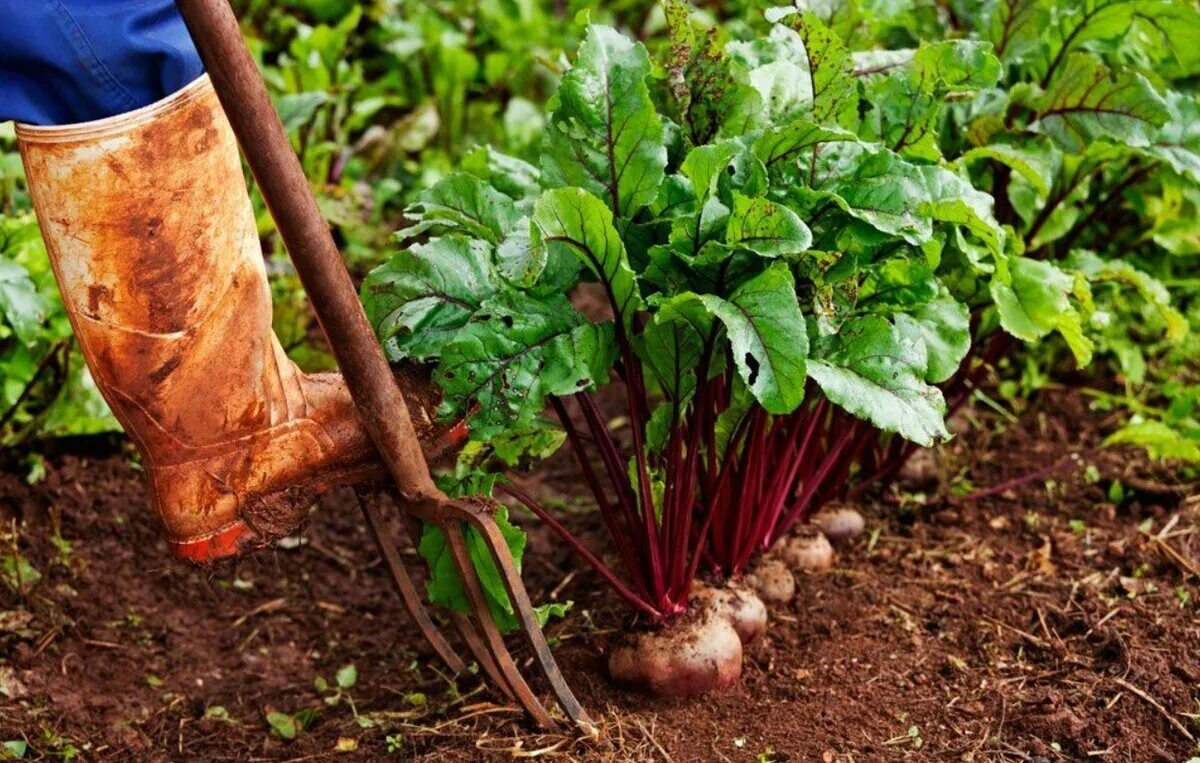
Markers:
(770, 278)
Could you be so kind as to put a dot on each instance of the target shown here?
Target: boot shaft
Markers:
(154, 243)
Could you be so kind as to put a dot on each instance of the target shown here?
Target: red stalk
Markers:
(578, 547)
(719, 508)
(620, 537)
(609, 455)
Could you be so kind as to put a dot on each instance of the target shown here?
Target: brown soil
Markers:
(1038, 623)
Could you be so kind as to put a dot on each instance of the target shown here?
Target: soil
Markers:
(1035, 622)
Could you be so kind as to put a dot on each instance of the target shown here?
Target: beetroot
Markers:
(772, 580)
(737, 604)
(807, 550)
(920, 471)
(696, 653)
(839, 523)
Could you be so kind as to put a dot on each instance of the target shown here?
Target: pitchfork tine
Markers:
(404, 584)
(470, 635)
(491, 634)
(520, 599)
(474, 642)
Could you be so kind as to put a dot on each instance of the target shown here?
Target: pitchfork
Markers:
(381, 405)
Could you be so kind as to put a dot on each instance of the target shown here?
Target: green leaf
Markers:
(519, 258)
(1160, 441)
(1037, 162)
(897, 283)
(1149, 288)
(604, 134)
(463, 203)
(1014, 27)
(18, 573)
(953, 200)
(420, 298)
(283, 724)
(691, 233)
(830, 72)
(516, 351)
(1178, 143)
(883, 190)
(20, 304)
(908, 103)
(533, 443)
(444, 586)
(786, 143)
(1089, 102)
(767, 335)
(555, 609)
(579, 224)
(776, 67)
(703, 167)
(673, 342)
(955, 66)
(741, 401)
(944, 324)
(298, 109)
(1171, 29)
(766, 228)
(1034, 299)
(469, 478)
(514, 177)
(347, 676)
(709, 98)
(876, 371)
(14, 749)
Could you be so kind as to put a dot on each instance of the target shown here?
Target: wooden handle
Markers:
(243, 95)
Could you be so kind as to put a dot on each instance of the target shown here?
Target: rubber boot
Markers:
(153, 241)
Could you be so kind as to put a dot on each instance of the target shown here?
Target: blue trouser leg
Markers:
(68, 61)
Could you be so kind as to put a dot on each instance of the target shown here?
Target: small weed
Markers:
(289, 727)
(35, 464)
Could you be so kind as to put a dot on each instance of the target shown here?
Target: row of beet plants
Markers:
(805, 252)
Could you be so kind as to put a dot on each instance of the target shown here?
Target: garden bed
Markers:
(1029, 624)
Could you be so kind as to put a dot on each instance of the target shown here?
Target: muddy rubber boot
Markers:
(153, 240)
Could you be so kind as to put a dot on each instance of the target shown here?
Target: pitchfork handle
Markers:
(243, 94)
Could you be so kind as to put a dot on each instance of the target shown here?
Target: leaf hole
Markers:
(753, 364)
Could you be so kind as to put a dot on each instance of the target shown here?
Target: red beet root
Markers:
(698, 653)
